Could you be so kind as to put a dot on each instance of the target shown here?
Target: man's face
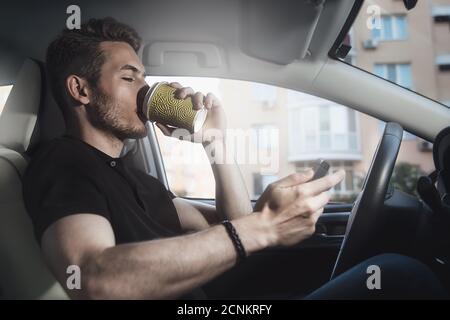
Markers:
(113, 105)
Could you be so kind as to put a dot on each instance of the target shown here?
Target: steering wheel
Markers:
(362, 227)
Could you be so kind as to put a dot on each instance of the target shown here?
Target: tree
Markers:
(405, 177)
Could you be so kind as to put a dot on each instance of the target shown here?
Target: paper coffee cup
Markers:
(160, 105)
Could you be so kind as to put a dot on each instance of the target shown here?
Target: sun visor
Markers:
(278, 31)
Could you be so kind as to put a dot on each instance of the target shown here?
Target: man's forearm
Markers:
(171, 267)
(232, 199)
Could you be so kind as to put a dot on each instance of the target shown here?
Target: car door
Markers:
(276, 132)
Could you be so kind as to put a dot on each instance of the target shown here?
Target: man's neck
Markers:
(107, 143)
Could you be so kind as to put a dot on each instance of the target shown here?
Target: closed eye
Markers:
(128, 79)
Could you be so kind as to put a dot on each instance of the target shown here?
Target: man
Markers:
(130, 237)
(128, 234)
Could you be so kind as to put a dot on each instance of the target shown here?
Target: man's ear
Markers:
(78, 89)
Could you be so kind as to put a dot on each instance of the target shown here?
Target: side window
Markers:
(4, 93)
(271, 143)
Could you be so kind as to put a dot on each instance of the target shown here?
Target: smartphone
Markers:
(320, 169)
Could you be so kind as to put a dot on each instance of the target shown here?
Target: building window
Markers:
(398, 73)
(393, 27)
(326, 128)
(261, 181)
(264, 94)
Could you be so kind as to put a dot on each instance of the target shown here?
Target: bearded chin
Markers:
(103, 114)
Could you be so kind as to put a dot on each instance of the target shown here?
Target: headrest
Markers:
(19, 115)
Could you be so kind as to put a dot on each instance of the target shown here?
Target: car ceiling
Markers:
(28, 26)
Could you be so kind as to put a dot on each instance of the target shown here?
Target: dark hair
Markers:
(77, 51)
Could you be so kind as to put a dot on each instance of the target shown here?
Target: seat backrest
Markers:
(23, 273)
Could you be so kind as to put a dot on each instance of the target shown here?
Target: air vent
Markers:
(278, 31)
(370, 44)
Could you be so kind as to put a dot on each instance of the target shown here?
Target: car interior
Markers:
(289, 44)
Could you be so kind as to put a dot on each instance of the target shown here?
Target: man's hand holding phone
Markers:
(291, 206)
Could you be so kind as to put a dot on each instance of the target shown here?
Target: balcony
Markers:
(336, 146)
(323, 130)
(441, 13)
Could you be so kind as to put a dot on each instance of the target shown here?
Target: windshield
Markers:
(409, 48)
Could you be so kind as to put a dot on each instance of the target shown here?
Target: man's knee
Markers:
(406, 275)
(398, 265)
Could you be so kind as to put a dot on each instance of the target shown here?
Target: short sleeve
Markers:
(171, 195)
(61, 193)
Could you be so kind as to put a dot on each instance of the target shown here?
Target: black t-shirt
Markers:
(69, 176)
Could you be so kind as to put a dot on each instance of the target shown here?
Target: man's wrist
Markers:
(236, 240)
(254, 232)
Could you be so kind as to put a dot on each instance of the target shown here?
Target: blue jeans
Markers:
(401, 277)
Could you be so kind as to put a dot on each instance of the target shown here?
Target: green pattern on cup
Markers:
(164, 108)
